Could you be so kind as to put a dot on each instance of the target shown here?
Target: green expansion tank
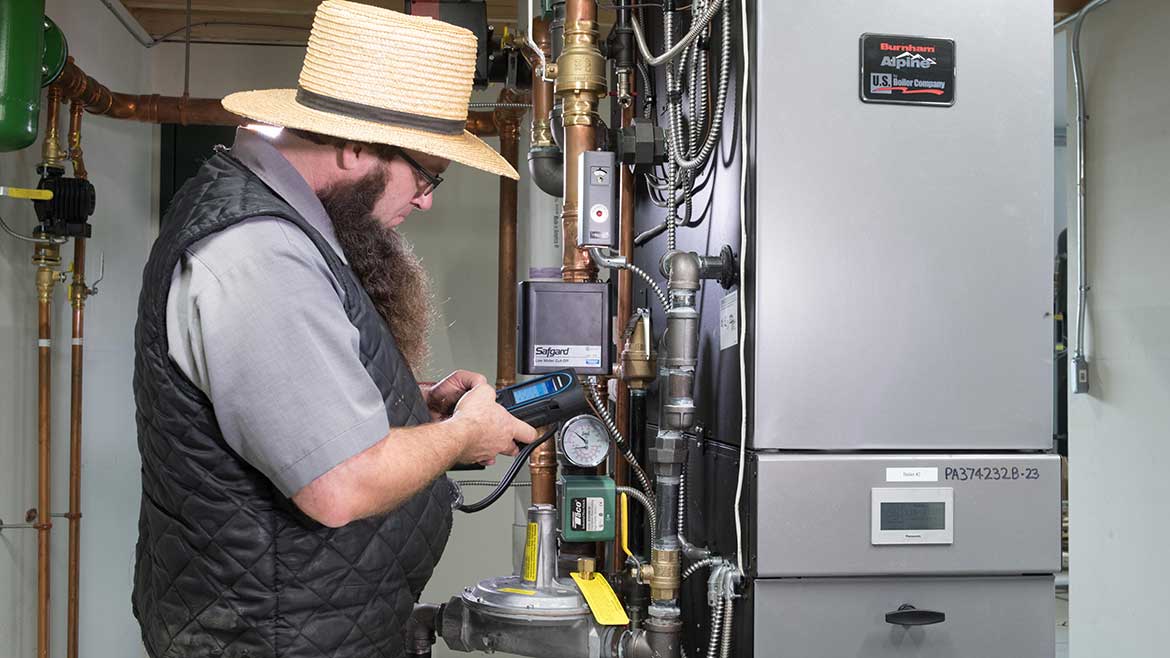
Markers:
(21, 50)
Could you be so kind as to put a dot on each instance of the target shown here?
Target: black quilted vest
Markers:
(226, 565)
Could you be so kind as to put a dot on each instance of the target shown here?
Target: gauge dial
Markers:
(584, 441)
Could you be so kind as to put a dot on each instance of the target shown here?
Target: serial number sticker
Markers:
(990, 473)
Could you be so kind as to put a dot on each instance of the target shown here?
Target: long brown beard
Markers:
(384, 263)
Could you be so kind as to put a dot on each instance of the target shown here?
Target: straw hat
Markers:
(381, 76)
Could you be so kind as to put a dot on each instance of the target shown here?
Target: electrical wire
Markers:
(509, 476)
(172, 33)
(26, 238)
(489, 483)
(742, 292)
(499, 106)
(1079, 362)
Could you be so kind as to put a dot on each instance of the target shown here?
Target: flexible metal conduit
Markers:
(624, 446)
(1080, 361)
(682, 157)
(673, 50)
(620, 263)
(644, 501)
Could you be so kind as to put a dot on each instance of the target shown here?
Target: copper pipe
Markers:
(625, 299)
(580, 82)
(482, 124)
(508, 125)
(46, 256)
(78, 291)
(149, 108)
(543, 466)
(580, 10)
(542, 92)
(77, 294)
(575, 263)
(96, 98)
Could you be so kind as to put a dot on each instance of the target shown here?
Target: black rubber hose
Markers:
(506, 481)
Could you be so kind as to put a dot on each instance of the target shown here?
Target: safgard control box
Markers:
(564, 325)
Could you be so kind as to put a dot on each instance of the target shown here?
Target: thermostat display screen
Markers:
(914, 516)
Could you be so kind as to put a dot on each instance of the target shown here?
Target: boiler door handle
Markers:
(908, 615)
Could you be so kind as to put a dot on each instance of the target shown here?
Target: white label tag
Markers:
(912, 474)
(594, 514)
(729, 320)
(567, 356)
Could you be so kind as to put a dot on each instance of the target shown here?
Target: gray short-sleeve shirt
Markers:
(255, 320)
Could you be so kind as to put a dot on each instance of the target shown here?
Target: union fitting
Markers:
(46, 256)
(541, 133)
(665, 576)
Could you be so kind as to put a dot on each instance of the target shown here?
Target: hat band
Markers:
(365, 112)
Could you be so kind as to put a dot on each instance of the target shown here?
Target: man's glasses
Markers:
(429, 181)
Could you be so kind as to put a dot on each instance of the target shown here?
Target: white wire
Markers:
(743, 242)
(539, 52)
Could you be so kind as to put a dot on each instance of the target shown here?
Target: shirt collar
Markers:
(263, 159)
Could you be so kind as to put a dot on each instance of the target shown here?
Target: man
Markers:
(294, 501)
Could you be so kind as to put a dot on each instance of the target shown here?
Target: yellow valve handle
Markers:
(626, 526)
(26, 193)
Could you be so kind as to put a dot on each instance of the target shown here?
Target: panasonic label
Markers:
(567, 356)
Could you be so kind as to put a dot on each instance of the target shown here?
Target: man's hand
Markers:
(442, 397)
(488, 428)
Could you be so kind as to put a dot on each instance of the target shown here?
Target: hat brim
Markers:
(278, 107)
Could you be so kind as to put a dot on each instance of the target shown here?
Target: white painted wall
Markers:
(457, 240)
(1119, 432)
(120, 157)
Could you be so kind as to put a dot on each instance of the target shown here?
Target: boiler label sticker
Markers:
(567, 356)
(729, 321)
(912, 474)
(907, 70)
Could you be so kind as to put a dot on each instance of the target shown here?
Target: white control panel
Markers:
(912, 515)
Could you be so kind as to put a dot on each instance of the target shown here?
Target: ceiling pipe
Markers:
(98, 99)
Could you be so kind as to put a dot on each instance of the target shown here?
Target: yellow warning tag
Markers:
(606, 607)
(513, 590)
(531, 548)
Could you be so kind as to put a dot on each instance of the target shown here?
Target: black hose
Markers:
(506, 481)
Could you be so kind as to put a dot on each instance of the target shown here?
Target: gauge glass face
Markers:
(584, 441)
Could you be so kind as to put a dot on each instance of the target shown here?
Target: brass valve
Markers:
(580, 74)
(665, 575)
(585, 567)
(638, 365)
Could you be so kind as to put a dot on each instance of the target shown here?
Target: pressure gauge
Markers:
(584, 441)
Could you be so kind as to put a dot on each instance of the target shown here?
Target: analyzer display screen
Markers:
(532, 391)
(914, 516)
